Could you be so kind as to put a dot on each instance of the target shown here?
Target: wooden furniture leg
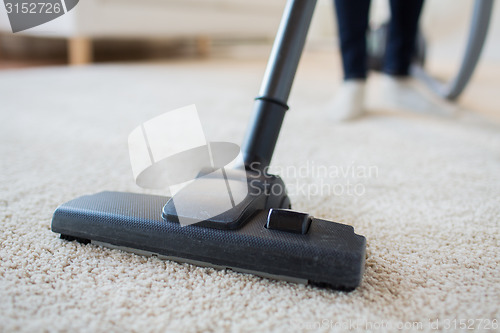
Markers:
(203, 44)
(79, 51)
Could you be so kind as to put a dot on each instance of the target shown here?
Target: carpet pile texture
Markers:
(423, 189)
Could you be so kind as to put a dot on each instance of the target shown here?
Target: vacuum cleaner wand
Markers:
(257, 233)
(271, 104)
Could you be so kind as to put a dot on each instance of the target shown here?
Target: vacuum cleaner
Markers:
(260, 234)
(451, 90)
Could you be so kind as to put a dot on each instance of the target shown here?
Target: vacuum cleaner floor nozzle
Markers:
(303, 250)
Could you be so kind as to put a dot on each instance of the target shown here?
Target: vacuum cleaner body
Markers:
(377, 44)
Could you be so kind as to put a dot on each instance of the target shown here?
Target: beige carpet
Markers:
(429, 205)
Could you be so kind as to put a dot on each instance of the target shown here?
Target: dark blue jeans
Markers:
(352, 18)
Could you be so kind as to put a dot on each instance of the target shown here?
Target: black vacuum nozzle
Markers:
(328, 253)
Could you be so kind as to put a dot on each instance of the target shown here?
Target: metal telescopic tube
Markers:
(270, 106)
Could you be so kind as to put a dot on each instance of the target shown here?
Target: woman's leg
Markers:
(403, 27)
(352, 19)
(397, 90)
